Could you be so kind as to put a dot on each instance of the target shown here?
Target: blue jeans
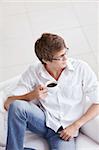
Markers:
(21, 116)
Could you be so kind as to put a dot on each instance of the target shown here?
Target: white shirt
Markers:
(65, 102)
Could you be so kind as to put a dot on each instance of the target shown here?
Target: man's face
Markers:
(59, 59)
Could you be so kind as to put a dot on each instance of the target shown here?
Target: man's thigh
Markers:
(32, 114)
(36, 120)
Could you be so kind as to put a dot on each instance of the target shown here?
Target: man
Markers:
(59, 85)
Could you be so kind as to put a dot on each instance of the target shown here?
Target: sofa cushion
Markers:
(3, 120)
(35, 141)
(3, 128)
(2, 99)
(83, 142)
(91, 128)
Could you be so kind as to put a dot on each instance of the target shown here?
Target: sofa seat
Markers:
(83, 142)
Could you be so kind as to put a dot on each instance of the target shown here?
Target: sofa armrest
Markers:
(91, 129)
(2, 100)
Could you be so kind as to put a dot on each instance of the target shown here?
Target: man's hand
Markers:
(68, 133)
(40, 92)
(7, 103)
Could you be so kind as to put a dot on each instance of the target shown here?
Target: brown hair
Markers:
(47, 45)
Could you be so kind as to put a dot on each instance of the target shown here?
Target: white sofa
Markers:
(88, 138)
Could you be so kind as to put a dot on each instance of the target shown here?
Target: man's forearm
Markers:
(20, 97)
(25, 97)
(90, 114)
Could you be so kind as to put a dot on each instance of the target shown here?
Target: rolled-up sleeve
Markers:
(90, 84)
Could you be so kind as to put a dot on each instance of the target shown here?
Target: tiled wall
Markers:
(22, 22)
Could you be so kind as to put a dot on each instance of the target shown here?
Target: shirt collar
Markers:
(43, 72)
(70, 65)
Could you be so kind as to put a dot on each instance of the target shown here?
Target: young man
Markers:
(59, 111)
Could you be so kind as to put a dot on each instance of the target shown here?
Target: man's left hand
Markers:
(68, 132)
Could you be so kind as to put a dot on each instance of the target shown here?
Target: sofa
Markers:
(88, 138)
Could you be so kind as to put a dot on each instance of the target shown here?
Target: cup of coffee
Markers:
(51, 84)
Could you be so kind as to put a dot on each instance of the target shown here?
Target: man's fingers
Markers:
(42, 86)
(45, 91)
(65, 137)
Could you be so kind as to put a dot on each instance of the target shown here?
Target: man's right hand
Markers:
(40, 92)
(7, 103)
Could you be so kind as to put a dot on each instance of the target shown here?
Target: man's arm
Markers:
(69, 131)
(90, 114)
(40, 92)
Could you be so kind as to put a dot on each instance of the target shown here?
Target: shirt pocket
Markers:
(76, 92)
(73, 92)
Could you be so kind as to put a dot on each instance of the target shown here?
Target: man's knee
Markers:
(18, 105)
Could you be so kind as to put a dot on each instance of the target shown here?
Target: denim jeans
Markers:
(21, 116)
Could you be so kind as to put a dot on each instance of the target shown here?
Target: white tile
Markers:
(19, 51)
(98, 11)
(46, 5)
(86, 12)
(91, 33)
(14, 27)
(11, 8)
(90, 59)
(96, 55)
(47, 16)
